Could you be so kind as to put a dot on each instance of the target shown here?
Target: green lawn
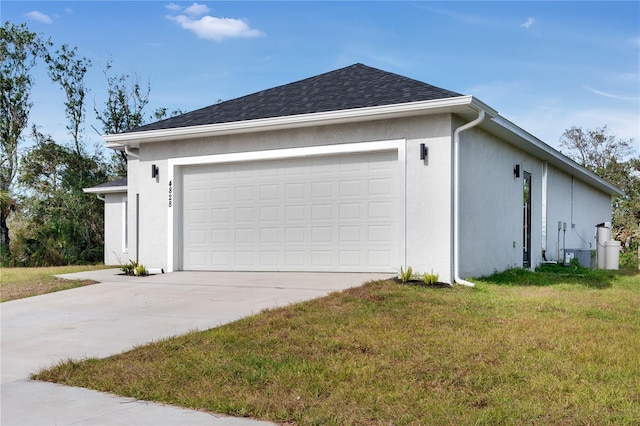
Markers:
(556, 347)
(18, 283)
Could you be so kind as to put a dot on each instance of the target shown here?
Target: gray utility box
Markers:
(586, 258)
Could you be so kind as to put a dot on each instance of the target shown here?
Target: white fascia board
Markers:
(533, 145)
(105, 190)
(452, 105)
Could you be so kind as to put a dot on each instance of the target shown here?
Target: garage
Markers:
(322, 213)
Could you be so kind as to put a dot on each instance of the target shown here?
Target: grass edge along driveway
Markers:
(562, 349)
(18, 283)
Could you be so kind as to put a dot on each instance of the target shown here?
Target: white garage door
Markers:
(336, 213)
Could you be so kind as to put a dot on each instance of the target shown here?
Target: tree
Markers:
(65, 224)
(19, 50)
(60, 223)
(123, 111)
(595, 149)
(69, 72)
(611, 158)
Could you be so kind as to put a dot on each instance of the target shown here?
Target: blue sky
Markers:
(546, 66)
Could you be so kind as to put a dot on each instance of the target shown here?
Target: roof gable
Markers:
(356, 86)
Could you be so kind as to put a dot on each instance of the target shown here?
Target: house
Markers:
(353, 170)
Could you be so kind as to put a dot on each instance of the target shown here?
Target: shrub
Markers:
(405, 276)
(134, 268)
(431, 279)
(140, 271)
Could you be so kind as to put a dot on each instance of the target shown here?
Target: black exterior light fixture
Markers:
(424, 152)
(516, 171)
(154, 171)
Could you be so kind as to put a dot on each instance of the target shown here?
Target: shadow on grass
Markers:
(553, 274)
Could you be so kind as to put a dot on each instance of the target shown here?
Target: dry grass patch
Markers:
(18, 283)
(392, 354)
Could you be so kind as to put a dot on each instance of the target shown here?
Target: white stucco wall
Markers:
(427, 212)
(580, 206)
(491, 214)
(491, 200)
(114, 247)
(491, 204)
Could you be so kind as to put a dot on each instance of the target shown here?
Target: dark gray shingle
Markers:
(356, 86)
(113, 184)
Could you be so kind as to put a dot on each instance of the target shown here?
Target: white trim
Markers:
(125, 224)
(105, 190)
(174, 165)
(460, 104)
(545, 171)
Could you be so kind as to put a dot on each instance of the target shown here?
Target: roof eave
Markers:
(460, 105)
(529, 143)
(105, 190)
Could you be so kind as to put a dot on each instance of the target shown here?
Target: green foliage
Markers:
(63, 225)
(123, 111)
(629, 255)
(406, 275)
(140, 271)
(553, 274)
(135, 269)
(430, 279)
(69, 72)
(129, 268)
(57, 223)
(613, 159)
(19, 50)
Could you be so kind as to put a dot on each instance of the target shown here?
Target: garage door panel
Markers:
(295, 191)
(334, 213)
(269, 235)
(220, 236)
(322, 189)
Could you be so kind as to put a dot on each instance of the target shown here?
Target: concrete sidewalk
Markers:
(120, 313)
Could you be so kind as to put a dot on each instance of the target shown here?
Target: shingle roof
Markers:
(356, 86)
(112, 184)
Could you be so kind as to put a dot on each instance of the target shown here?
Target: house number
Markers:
(170, 193)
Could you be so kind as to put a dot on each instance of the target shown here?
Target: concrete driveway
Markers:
(120, 313)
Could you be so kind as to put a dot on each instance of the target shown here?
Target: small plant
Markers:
(134, 268)
(405, 276)
(140, 271)
(431, 279)
(128, 268)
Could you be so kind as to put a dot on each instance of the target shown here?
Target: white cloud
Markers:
(528, 23)
(610, 95)
(217, 29)
(636, 41)
(196, 9)
(174, 7)
(39, 16)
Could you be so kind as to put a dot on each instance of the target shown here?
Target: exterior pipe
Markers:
(101, 197)
(129, 152)
(456, 198)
